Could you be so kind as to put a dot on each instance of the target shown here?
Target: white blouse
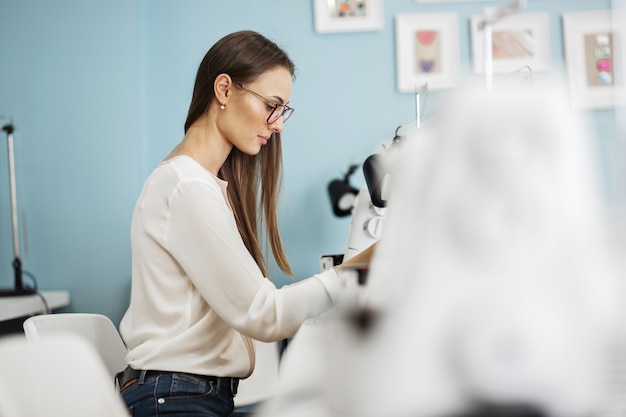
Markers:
(197, 293)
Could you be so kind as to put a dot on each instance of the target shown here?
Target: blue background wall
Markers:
(99, 93)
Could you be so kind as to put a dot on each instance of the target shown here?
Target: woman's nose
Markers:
(278, 125)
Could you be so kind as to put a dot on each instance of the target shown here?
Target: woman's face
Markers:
(247, 113)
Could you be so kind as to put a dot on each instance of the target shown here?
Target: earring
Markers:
(223, 106)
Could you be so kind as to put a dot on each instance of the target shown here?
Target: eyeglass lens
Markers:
(279, 111)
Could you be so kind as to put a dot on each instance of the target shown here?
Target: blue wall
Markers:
(99, 92)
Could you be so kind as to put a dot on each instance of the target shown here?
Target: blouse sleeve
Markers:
(202, 236)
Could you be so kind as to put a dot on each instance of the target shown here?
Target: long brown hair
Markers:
(253, 180)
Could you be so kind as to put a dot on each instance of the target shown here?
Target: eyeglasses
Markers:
(276, 110)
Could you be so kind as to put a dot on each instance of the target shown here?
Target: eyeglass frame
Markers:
(286, 109)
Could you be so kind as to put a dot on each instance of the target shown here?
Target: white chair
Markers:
(101, 332)
(98, 329)
(263, 382)
(58, 376)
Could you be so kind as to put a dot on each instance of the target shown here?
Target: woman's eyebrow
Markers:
(279, 98)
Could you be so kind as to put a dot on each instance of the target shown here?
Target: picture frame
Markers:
(332, 16)
(427, 51)
(450, 1)
(519, 41)
(590, 42)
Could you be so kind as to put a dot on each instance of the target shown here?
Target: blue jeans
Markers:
(177, 394)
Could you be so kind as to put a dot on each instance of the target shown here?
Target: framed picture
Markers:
(348, 15)
(450, 1)
(590, 45)
(427, 51)
(518, 41)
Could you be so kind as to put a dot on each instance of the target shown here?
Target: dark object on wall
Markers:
(342, 194)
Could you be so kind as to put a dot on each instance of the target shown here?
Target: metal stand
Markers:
(19, 288)
(490, 16)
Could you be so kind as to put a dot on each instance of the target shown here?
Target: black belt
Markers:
(129, 374)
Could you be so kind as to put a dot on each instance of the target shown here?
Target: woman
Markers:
(199, 292)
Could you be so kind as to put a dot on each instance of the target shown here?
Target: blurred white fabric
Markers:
(494, 280)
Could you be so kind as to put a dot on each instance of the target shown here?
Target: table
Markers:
(27, 305)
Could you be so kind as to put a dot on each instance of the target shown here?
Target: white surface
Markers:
(60, 376)
(21, 306)
(263, 382)
(302, 376)
(96, 329)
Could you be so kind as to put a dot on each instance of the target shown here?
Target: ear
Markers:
(223, 83)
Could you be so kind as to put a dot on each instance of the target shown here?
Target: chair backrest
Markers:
(102, 334)
(263, 382)
(58, 376)
(97, 329)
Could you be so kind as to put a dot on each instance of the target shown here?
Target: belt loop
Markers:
(118, 377)
(142, 376)
(234, 383)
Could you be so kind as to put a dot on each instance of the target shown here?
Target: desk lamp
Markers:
(19, 288)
